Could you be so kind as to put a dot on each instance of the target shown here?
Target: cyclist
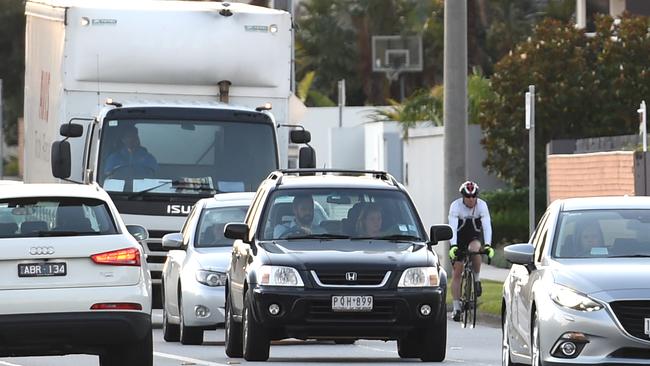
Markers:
(469, 218)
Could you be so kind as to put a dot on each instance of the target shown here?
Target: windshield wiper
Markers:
(57, 233)
(177, 184)
(630, 256)
(319, 236)
(394, 237)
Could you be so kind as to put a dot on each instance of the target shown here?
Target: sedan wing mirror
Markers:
(172, 241)
(520, 253)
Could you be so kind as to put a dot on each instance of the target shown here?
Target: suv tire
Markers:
(410, 345)
(188, 335)
(256, 340)
(434, 346)
(130, 354)
(233, 333)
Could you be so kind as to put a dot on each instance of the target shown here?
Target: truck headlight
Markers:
(419, 277)
(211, 278)
(572, 299)
(279, 276)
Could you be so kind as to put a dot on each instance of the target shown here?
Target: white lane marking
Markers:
(377, 349)
(9, 363)
(181, 358)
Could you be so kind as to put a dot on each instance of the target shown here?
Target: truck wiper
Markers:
(176, 184)
(394, 237)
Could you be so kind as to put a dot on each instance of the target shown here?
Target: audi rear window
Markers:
(54, 216)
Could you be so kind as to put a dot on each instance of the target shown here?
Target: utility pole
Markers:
(455, 102)
(530, 126)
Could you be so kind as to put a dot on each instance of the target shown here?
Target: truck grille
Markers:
(339, 278)
(321, 311)
(631, 315)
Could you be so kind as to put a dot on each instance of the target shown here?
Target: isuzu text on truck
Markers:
(190, 85)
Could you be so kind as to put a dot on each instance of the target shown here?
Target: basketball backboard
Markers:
(396, 54)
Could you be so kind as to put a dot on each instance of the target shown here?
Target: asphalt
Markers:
(493, 273)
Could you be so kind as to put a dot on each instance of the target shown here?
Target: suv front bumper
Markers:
(307, 313)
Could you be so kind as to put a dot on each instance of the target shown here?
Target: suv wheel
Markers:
(233, 333)
(434, 345)
(410, 345)
(188, 335)
(171, 332)
(256, 341)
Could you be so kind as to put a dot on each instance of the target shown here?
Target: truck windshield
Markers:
(185, 157)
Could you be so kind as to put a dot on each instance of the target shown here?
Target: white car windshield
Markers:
(209, 232)
(603, 233)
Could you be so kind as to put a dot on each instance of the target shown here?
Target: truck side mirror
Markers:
(61, 159)
(307, 157)
(299, 136)
(71, 130)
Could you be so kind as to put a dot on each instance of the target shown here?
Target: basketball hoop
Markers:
(394, 55)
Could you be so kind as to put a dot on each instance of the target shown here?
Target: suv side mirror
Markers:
(60, 159)
(138, 232)
(236, 231)
(71, 130)
(172, 241)
(299, 136)
(439, 233)
(307, 157)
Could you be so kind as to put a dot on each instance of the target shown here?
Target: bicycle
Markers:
(468, 298)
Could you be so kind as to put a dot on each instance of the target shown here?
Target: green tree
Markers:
(585, 87)
(12, 67)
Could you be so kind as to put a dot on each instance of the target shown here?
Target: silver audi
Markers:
(579, 291)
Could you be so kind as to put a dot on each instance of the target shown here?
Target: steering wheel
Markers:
(294, 231)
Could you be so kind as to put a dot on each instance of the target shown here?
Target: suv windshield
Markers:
(340, 213)
(603, 233)
(54, 216)
(185, 157)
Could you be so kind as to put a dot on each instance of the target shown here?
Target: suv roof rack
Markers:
(379, 174)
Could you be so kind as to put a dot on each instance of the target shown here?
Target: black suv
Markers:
(339, 255)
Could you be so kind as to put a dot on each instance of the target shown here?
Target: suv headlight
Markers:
(419, 277)
(572, 299)
(211, 278)
(279, 276)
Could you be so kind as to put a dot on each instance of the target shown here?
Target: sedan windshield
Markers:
(341, 213)
(199, 158)
(603, 233)
(211, 223)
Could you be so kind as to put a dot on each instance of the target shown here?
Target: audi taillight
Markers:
(122, 257)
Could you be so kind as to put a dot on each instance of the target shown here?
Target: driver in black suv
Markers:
(301, 280)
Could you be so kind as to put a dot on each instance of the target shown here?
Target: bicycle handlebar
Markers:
(480, 252)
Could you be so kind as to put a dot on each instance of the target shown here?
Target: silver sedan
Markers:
(194, 274)
(579, 292)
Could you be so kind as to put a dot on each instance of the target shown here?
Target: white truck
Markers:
(193, 79)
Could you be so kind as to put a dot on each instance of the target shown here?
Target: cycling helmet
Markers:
(468, 189)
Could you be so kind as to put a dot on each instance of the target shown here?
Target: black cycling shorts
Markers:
(465, 234)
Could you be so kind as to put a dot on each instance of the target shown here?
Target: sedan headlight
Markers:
(419, 277)
(279, 276)
(572, 299)
(211, 278)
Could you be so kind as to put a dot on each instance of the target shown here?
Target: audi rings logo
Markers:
(41, 250)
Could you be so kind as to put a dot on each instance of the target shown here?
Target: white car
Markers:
(194, 274)
(73, 278)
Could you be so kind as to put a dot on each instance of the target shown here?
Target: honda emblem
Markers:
(351, 276)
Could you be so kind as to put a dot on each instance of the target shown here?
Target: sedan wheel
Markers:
(188, 335)
(233, 334)
(171, 332)
(506, 359)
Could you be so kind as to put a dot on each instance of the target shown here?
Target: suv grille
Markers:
(339, 278)
(632, 314)
(321, 311)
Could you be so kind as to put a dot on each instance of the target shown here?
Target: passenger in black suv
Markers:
(330, 282)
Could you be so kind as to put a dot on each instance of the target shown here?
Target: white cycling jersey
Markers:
(459, 212)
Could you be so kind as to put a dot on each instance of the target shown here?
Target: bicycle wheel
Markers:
(468, 299)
